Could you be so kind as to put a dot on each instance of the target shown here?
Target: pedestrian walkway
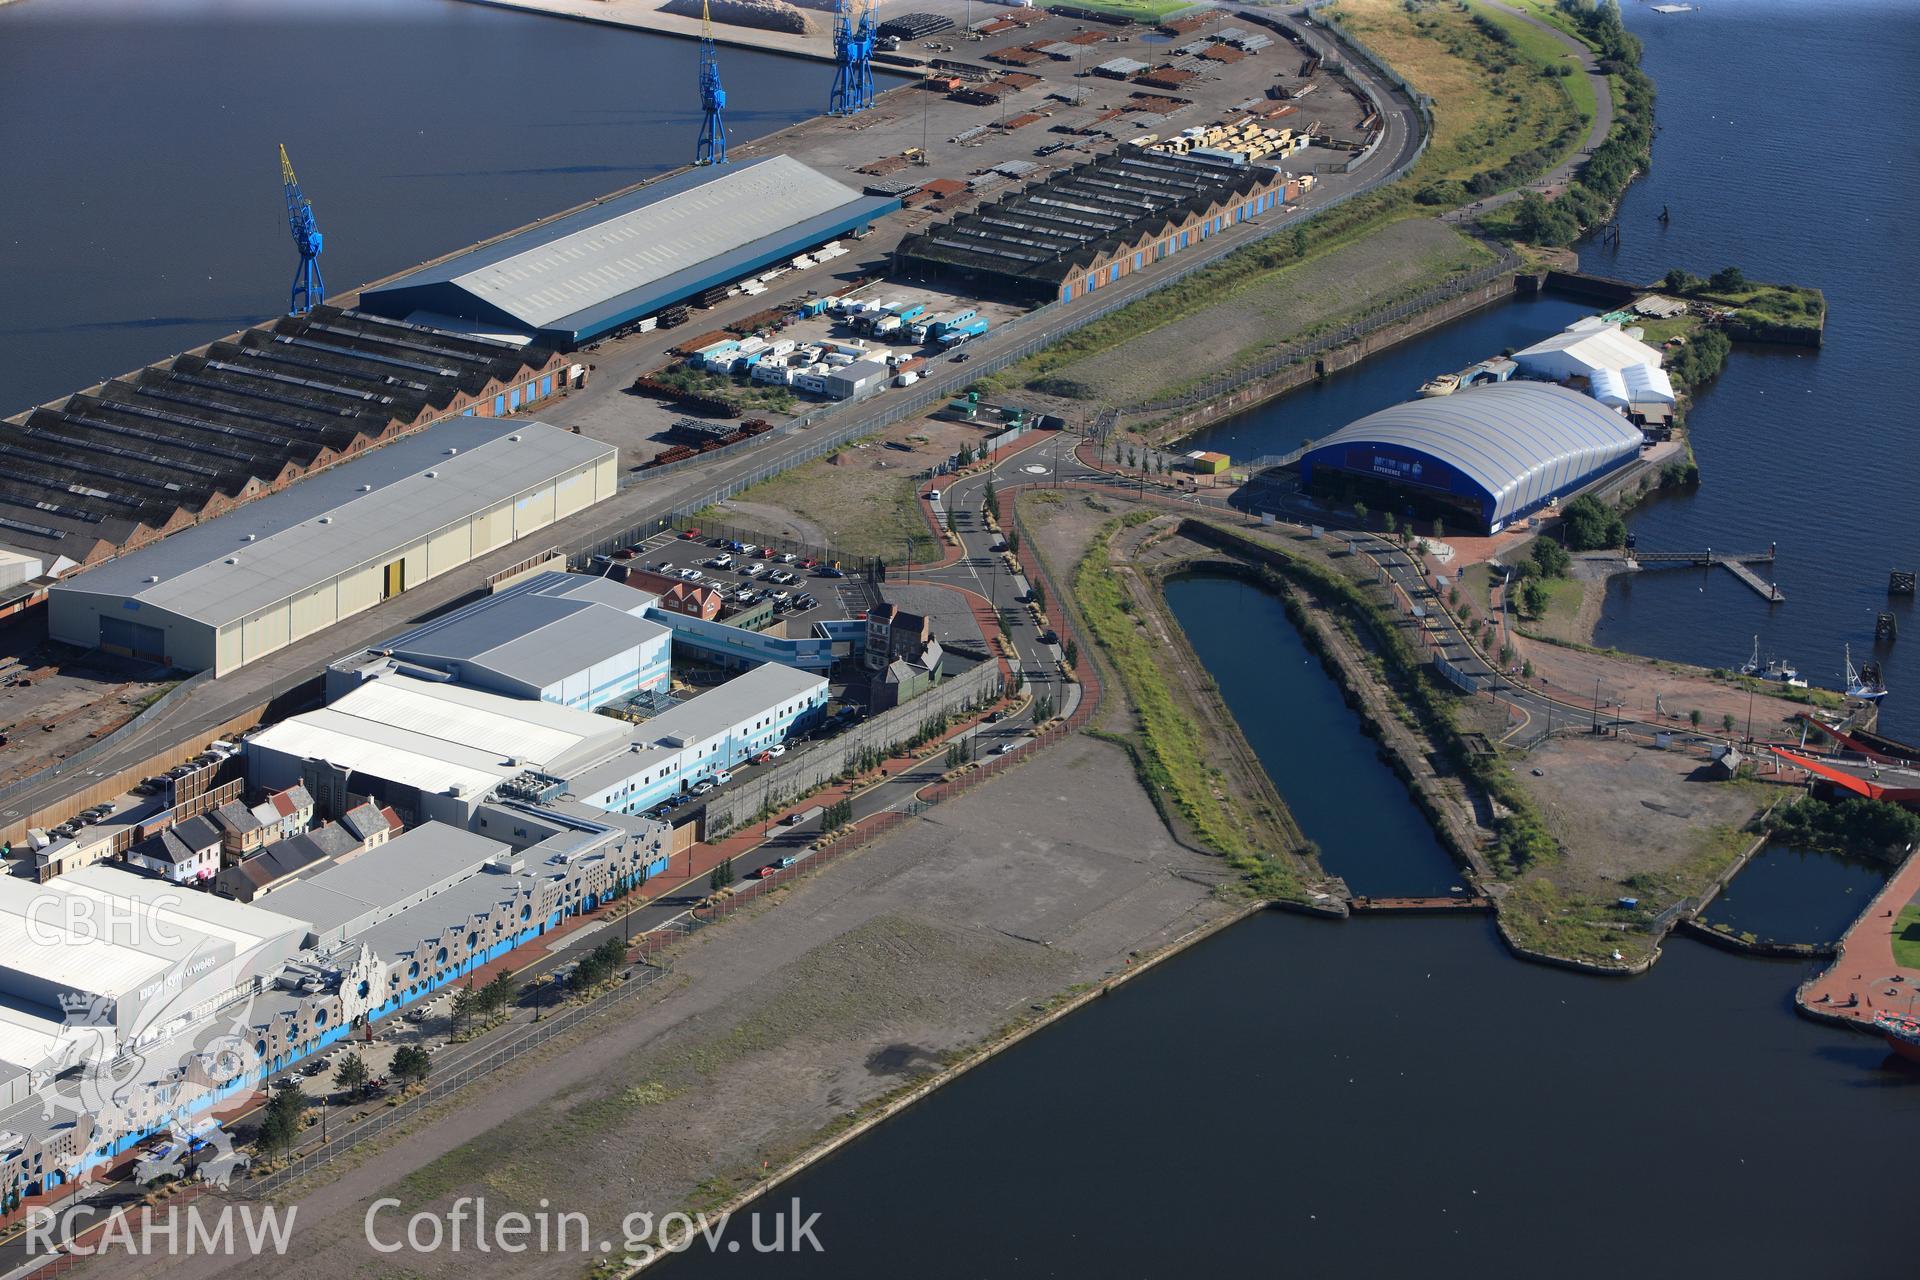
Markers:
(1865, 980)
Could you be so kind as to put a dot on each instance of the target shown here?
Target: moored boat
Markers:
(1865, 683)
(1902, 1031)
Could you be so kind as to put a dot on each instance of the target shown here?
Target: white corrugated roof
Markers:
(550, 281)
(432, 735)
(1597, 348)
(304, 536)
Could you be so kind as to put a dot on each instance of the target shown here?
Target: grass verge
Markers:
(1906, 938)
(862, 509)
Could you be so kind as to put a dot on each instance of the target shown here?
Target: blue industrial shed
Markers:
(1505, 449)
(583, 274)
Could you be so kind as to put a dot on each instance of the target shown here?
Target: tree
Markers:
(351, 1074)
(1439, 529)
(411, 1065)
(953, 522)
(280, 1126)
(1534, 597)
(1389, 523)
(1526, 669)
(721, 877)
(1042, 708)
(1550, 558)
(497, 995)
(1071, 650)
(1013, 541)
(1727, 723)
(990, 499)
(1590, 525)
(1694, 717)
(1678, 281)
(1727, 280)
(1360, 512)
(1538, 221)
(463, 1006)
(1036, 593)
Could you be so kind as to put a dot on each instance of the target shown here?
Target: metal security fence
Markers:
(818, 765)
(1296, 352)
(507, 1051)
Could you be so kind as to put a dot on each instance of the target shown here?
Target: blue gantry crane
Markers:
(853, 59)
(712, 147)
(309, 290)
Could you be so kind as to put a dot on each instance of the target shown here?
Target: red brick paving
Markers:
(1865, 980)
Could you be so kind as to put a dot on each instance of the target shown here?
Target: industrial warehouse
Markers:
(560, 637)
(584, 274)
(230, 591)
(132, 460)
(1490, 454)
(1083, 228)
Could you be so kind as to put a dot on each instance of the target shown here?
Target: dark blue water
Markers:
(1279, 426)
(1390, 1098)
(141, 211)
(1820, 452)
(1310, 742)
(1797, 895)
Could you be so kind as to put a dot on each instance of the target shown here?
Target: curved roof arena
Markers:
(1511, 445)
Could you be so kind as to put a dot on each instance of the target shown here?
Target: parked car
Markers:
(744, 595)
(761, 873)
(808, 563)
(762, 758)
(828, 571)
(780, 576)
(1049, 637)
(703, 786)
(690, 535)
(723, 777)
(662, 810)
(995, 717)
(721, 562)
(749, 549)
(786, 557)
(781, 597)
(777, 749)
(963, 357)
(806, 602)
(753, 570)
(664, 566)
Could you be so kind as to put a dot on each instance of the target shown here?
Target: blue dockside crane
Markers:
(309, 290)
(712, 147)
(853, 60)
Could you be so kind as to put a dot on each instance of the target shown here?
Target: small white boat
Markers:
(1774, 669)
(1751, 667)
(1864, 683)
(1444, 385)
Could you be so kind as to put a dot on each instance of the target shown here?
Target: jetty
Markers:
(1738, 563)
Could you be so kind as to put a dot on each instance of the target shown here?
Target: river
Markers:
(1813, 450)
(142, 207)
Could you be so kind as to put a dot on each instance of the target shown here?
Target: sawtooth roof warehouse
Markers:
(230, 591)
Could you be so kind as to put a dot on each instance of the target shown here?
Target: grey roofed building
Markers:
(567, 637)
(1504, 449)
(257, 562)
(577, 276)
(366, 823)
(348, 899)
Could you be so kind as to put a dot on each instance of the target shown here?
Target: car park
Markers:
(753, 570)
(749, 549)
(691, 575)
(828, 571)
(663, 566)
(722, 562)
(781, 597)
